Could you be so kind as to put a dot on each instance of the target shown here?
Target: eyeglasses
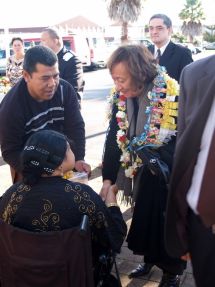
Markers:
(157, 29)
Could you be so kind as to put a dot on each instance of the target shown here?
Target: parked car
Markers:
(74, 42)
(98, 52)
(112, 46)
(194, 50)
(3, 61)
(145, 42)
(210, 46)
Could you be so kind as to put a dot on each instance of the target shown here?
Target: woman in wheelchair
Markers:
(45, 201)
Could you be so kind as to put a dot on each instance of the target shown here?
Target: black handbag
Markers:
(151, 158)
(106, 278)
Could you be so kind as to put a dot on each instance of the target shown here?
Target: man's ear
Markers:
(26, 76)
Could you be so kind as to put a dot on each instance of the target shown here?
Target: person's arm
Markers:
(112, 153)
(4, 200)
(166, 152)
(111, 156)
(118, 230)
(185, 59)
(12, 129)
(184, 82)
(74, 126)
(109, 226)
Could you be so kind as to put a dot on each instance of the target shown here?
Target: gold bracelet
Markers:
(112, 204)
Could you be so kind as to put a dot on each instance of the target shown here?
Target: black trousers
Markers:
(201, 242)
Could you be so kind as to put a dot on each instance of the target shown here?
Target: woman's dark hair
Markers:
(43, 152)
(16, 39)
(38, 55)
(139, 61)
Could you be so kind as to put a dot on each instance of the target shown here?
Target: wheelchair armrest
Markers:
(84, 226)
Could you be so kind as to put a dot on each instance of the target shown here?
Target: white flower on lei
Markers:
(130, 171)
(120, 115)
(121, 138)
(125, 157)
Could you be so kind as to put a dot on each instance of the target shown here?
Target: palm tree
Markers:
(124, 11)
(209, 34)
(192, 14)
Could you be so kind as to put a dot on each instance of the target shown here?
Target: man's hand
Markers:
(81, 165)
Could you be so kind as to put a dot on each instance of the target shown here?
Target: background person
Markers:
(40, 101)
(14, 67)
(70, 66)
(140, 84)
(44, 201)
(190, 214)
(172, 56)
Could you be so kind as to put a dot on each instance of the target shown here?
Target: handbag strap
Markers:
(117, 272)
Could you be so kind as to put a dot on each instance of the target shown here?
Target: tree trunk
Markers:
(124, 36)
(191, 39)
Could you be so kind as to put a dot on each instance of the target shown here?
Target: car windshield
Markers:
(2, 54)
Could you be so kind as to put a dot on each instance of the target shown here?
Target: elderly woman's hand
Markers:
(111, 195)
(104, 190)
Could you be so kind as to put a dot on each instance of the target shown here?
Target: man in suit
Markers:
(190, 219)
(172, 56)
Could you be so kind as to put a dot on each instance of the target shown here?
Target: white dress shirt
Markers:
(162, 49)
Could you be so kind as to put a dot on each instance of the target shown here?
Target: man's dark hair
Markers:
(38, 55)
(53, 33)
(166, 20)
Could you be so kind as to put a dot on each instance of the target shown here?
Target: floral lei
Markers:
(161, 120)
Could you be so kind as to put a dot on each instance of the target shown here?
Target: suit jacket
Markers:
(174, 59)
(196, 96)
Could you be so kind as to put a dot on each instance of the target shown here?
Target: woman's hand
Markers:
(105, 188)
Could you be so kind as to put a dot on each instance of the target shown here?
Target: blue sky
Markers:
(48, 12)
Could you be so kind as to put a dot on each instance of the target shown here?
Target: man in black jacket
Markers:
(70, 66)
(172, 56)
(40, 101)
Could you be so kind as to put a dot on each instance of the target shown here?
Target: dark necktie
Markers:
(206, 202)
(158, 56)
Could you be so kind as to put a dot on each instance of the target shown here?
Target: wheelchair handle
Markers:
(84, 224)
